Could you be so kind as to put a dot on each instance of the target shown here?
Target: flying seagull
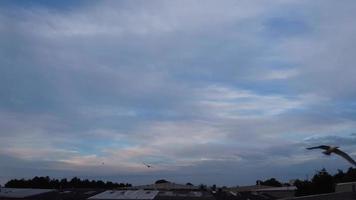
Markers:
(336, 150)
(147, 165)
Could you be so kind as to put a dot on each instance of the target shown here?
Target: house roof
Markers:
(126, 194)
(329, 196)
(286, 188)
(166, 186)
(249, 188)
(346, 183)
(22, 192)
(184, 195)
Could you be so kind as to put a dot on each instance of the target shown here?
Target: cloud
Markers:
(338, 140)
(280, 74)
(195, 88)
(125, 18)
(227, 102)
(325, 55)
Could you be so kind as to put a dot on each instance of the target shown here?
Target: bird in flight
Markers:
(147, 165)
(336, 150)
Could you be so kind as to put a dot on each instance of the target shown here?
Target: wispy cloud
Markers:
(197, 88)
(280, 74)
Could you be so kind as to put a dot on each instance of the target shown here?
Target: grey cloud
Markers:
(332, 140)
(109, 78)
(326, 55)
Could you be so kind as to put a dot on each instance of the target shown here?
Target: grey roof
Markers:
(346, 183)
(329, 196)
(182, 194)
(22, 192)
(286, 188)
(249, 188)
(166, 186)
(126, 194)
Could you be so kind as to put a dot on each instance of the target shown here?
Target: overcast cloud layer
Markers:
(222, 92)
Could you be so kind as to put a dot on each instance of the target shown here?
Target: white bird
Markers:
(147, 165)
(336, 150)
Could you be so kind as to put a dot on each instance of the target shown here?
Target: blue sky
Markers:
(208, 92)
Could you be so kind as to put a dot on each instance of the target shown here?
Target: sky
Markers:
(214, 92)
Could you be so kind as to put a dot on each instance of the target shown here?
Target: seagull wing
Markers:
(325, 147)
(147, 165)
(345, 155)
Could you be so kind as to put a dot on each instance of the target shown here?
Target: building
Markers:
(152, 195)
(269, 192)
(277, 192)
(346, 187)
(329, 196)
(28, 194)
(250, 188)
(126, 195)
(165, 186)
(226, 195)
(184, 195)
(343, 191)
(79, 193)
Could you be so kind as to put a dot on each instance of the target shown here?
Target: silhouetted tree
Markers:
(221, 195)
(322, 182)
(202, 187)
(213, 187)
(161, 181)
(46, 182)
(303, 188)
(339, 176)
(271, 182)
(350, 175)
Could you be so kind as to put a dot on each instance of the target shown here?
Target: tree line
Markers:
(48, 183)
(321, 182)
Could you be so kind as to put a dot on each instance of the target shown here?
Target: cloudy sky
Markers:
(222, 92)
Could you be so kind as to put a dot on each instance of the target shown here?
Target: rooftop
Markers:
(22, 192)
(166, 186)
(126, 194)
(286, 188)
(249, 188)
(346, 183)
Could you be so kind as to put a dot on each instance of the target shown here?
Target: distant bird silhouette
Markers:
(336, 150)
(147, 165)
